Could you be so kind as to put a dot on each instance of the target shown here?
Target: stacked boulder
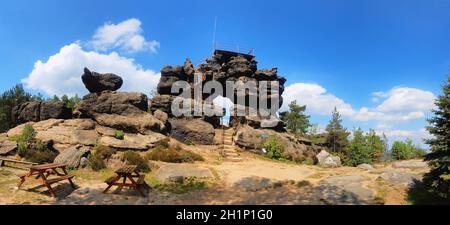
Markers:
(36, 111)
(222, 67)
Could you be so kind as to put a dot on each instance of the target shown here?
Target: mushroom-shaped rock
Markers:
(97, 83)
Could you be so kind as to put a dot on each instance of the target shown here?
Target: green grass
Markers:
(191, 184)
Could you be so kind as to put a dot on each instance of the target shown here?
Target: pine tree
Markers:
(295, 119)
(337, 135)
(438, 179)
(8, 100)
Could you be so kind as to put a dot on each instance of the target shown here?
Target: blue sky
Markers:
(375, 60)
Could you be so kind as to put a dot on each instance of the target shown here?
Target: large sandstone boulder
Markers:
(296, 149)
(68, 135)
(120, 103)
(97, 83)
(194, 131)
(54, 110)
(135, 142)
(35, 111)
(7, 147)
(72, 156)
(162, 103)
(327, 160)
(143, 123)
(27, 112)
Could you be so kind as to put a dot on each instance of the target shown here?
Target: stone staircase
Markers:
(229, 148)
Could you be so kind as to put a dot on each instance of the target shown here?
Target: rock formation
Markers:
(36, 111)
(222, 67)
(97, 83)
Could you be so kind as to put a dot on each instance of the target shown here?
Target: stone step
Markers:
(234, 159)
(230, 151)
(232, 155)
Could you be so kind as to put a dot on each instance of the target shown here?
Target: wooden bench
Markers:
(5, 161)
(128, 173)
(43, 172)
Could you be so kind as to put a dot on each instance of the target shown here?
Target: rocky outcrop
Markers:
(7, 147)
(295, 149)
(143, 123)
(327, 160)
(120, 103)
(72, 156)
(222, 67)
(36, 111)
(192, 131)
(135, 142)
(97, 83)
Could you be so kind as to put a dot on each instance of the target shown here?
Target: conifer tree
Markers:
(337, 135)
(438, 179)
(296, 120)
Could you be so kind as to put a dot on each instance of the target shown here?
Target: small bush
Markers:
(133, 158)
(119, 135)
(96, 162)
(164, 143)
(28, 134)
(173, 154)
(191, 184)
(103, 151)
(274, 148)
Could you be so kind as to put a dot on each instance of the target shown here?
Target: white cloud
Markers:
(318, 101)
(400, 104)
(126, 36)
(61, 74)
(405, 99)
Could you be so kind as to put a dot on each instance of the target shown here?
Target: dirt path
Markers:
(252, 181)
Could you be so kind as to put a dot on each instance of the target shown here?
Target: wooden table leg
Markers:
(136, 187)
(49, 187)
(22, 179)
(112, 184)
(70, 179)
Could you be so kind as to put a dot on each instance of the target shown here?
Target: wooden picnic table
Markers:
(43, 172)
(126, 173)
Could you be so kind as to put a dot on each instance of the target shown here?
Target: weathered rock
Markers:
(295, 148)
(72, 156)
(268, 75)
(80, 124)
(16, 131)
(402, 178)
(411, 164)
(252, 184)
(142, 123)
(7, 147)
(105, 131)
(163, 103)
(46, 124)
(54, 110)
(168, 172)
(28, 112)
(194, 131)
(133, 141)
(35, 111)
(327, 160)
(162, 116)
(120, 103)
(84, 162)
(366, 166)
(97, 83)
(346, 190)
(188, 68)
(68, 135)
(239, 66)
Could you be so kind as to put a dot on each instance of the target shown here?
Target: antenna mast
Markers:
(214, 34)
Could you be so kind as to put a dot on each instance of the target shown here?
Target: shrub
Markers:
(406, 150)
(103, 151)
(164, 143)
(133, 158)
(274, 148)
(173, 154)
(119, 135)
(28, 134)
(99, 154)
(96, 162)
(190, 184)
